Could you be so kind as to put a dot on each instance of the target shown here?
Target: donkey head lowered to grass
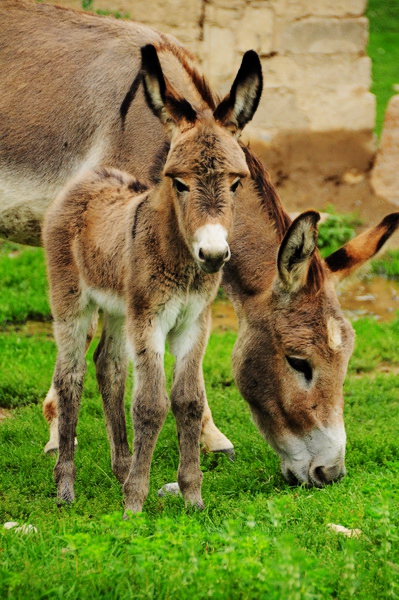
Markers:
(151, 259)
(294, 344)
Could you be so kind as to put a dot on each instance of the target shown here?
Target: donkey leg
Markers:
(188, 399)
(70, 334)
(150, 407)
(212, 439)
(50, 412)
(50, 404)
(111, 366)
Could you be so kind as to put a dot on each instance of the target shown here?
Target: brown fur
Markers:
(151, 259)
(284, 315)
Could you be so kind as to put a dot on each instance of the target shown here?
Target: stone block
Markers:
(322, 36)
(385, 174)
(256, 29)
(279, 110)
(348, 109)
(297, 9)
(218, 16)
(329, 71)
(178, 14)
(220, 59)
(230, 4)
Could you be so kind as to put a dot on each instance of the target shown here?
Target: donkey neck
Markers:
(256, 238)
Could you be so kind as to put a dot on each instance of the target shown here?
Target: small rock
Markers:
(353, 177)
(10, 524)
(354, 533)
(385, 173)
(169, 489)
(365, 298)
(26, 528)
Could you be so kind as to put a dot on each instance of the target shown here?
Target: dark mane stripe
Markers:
(128, 99)
(187, 61)
(272, 205)
(267, 193)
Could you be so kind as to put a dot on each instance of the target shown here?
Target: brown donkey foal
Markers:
(151, 260)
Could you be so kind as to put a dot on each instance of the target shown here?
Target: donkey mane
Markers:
(270, 203)
(268, 197)
(188, 62)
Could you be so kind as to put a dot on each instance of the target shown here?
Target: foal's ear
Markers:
(363, 247)
(296, 251)
(161, 98)
(240, 104)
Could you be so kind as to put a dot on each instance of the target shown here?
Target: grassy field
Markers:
(257, 538)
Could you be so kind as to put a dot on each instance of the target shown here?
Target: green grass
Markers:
(23, 289)
(336, 231)
(387, 265)
(383, 50)
(257, 538)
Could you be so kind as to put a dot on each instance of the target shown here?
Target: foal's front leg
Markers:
(111, 368)
(150, 406)
(188, 399)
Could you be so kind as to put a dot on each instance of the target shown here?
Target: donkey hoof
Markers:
(169, 489)
(195, 505)
(229, 452)
(66, 496)
(131, 509)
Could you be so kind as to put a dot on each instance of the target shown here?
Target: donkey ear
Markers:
(239, 106)
(161, 98)
(296, 251)
(363, 247)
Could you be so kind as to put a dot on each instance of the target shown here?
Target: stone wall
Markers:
(317, 74)
(314, 126)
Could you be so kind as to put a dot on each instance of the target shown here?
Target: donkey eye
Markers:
(180, 186)
(234, 185)
(301, 365)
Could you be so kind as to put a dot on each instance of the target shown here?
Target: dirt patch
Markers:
(314, 170)
(382, 368)
(223, 316)
(4, 414)
(372, 296)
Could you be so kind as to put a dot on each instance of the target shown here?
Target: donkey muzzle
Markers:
(314, 476)
(211, 248)
(211, 262)
(315, 459)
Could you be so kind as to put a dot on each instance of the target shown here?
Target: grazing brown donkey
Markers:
(72, 98)
(151, 259)
(294, 344)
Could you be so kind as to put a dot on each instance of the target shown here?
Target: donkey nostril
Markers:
(227, 255)
(201, 254)
(320, 474)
